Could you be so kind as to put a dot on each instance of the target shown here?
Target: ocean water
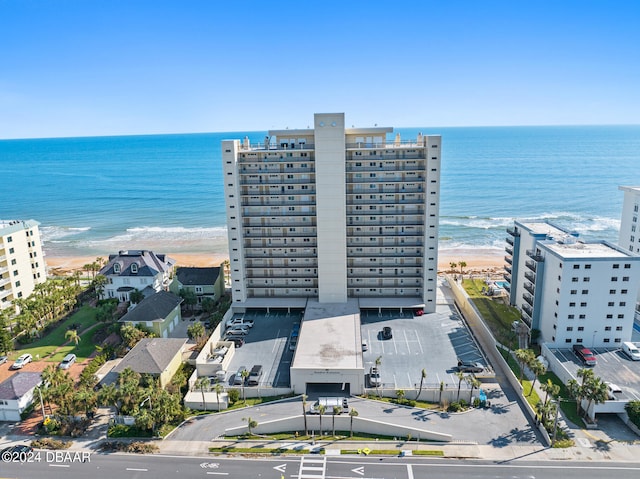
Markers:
(94, 196)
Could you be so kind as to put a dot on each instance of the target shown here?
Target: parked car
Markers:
(22, 361)
(365, 345)
(374, 377)
(255, 374)
(3, 359)
(293, 343)
(68, 360)
(237, 341)
(17, 449)
(387, 333)
(236, 333)
(238, 379)
(418, 312)
(239, 322)
(631, 350)
(584, 354)
(612, 390)
(470, 366)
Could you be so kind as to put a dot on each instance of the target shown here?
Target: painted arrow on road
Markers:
(359, 470)
(281, 468)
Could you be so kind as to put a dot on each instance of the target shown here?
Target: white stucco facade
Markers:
(333, 213)
(22, 264)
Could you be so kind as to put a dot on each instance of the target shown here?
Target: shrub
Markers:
(633, 410)
(49, 443)
(234, 395)
(135, 447)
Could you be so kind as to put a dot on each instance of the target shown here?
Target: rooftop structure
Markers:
(22, 264)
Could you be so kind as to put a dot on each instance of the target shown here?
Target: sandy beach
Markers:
(478, 261)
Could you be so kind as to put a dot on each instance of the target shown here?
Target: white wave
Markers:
(158, 234)
(50, 233)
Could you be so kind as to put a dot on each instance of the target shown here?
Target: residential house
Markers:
(159, 312)
(17, 393)
(136, 269)
(159, 357)
(203, 282)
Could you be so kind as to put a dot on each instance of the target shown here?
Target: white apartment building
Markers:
(333, 213)
(22, 264)
(573, 292)
(629, 226)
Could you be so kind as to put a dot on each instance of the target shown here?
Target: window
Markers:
(567, 340)
(574, 291)
(579, 340)
(614, 278)
(582, 316)
(17, 284)
(585, 291)
(116, 267)
(609, 316)
(616, 266)
(572, 305)
(623, 291)
(627, 266)
(583, 305)
(569, 328)
(617, 340)
(612, 291)
(134, 268)
(610, 303)
(606, 340)
(618, 328)
(574, 279)
(587, 266)
(623, 303)
(607, 328)
(11, 251)
(621, 316)
(586, 279)
(15, 272)
(9, 239)
(571, 316)
(576, 266)
(580, 328)
(625, 278)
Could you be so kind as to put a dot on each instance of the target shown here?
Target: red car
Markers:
(418, 312)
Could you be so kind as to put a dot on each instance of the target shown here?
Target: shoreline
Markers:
(479, 261)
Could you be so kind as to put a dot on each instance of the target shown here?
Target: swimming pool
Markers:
(501, 284)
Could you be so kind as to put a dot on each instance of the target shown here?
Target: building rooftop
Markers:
(545, 228)
(151, 355)
(146, 262)
(578, 249)
(197, 276)
(153, 308)
(11, 226)
(329, 336)
(16, 386)
(632, 189)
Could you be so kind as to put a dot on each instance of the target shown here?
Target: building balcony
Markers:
(507, 287)
(277, 191)
(385, 179)
(271, 147)
(509, 250)
(528, 310)
(508, 269)
(538, 258)
(513, 231)
(419, 199)
(382, 189)
(278, 274)
(351, 168)
(508, 259)
(3, 258)
(279, 212)
(528, 298)
(4, 281)
(275, 170)
(266, 254)
(509, 240)
(530, 276)
(389, 273)
(507, 277)
(266, 203)
(382, 222)
(277, 181)
(391, 254)
(4, 269)
(529, 287)
(532, 265)
(270, 233)
(355, 242)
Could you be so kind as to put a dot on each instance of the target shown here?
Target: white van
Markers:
(631, 350)
(329, 403)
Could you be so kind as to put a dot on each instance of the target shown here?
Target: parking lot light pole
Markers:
(593, 339)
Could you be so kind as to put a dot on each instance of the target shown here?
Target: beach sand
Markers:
(478, 261)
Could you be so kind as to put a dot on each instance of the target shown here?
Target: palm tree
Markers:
(400, 394)
(321, 410)
(460, 375)
(304, 414)
(423, 376)
(472, 381)
(336, 410)
(353, 413)
(575, 391)
(538, 369)
(596, 392)
(250, 424)
(453, 265)
(108, 396)
(203, 383)
(441, 390)
(585, 374)
(524, 358)
(462, 264)
(545, 410)
(550, 389)
(219, 389)
(72, 335)
(378, 362)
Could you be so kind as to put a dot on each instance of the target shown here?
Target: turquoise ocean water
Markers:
(98, 195)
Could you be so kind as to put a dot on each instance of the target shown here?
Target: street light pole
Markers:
(593, 339)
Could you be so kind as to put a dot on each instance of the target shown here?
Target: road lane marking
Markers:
(139, 470)
(409, 471)
(218, 473)
(58, 465)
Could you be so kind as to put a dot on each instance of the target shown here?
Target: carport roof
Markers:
(329, 337)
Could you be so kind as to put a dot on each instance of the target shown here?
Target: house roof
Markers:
(197, 276)
(151, 355)
(153, 308)
(147, 262)
(17, 385)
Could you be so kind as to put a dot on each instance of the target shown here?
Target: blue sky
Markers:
(83, 67)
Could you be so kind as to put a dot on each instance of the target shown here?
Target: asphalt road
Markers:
(125, 466)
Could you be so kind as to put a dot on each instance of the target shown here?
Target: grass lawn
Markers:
(497, 316)
(255, 401)
(45, 346)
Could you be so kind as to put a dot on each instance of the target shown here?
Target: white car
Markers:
(239, 322)
(68, 360)
(21, 361)
(612, 390)
(374, 377)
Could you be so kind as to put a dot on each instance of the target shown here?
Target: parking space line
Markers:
(275, 344)
(409, 377)
(406, 340)
(419, 344)
(394, 345)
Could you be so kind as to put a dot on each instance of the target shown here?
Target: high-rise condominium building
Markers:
(22, 263)
(573, 292)
(629, 226)
(333, 213)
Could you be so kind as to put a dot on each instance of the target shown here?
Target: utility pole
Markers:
(555, 422)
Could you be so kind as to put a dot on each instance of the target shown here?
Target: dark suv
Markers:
(584, 354)
(386, 333)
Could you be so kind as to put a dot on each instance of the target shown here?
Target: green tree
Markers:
(97, 284)
(73, 336)
(400, 394)
(219, 389)
(550, 389)
(352, 413)
(203, 384)
(108, 396)
(196, 331)
(453, 265)
(441, 391)
(596, 391)
(321, 409)
(575, 391)
(462, 264)
(136, 296)
(336, 411)
(524, 357)
(245, 375)
(304, 414)
(6, 343)
(378, 362)
(423, 376)
(538, 369)
(189, 298)
(105, 312)
(131, 335)
(250, 424)
(208, 305)
(460, 375)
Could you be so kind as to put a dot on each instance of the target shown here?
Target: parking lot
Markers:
(266, 344)
(613, 366)
(433, 342)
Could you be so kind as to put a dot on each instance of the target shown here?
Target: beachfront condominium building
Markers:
(333, 213)
(22, 264)
(630, 228)
(573, 292)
